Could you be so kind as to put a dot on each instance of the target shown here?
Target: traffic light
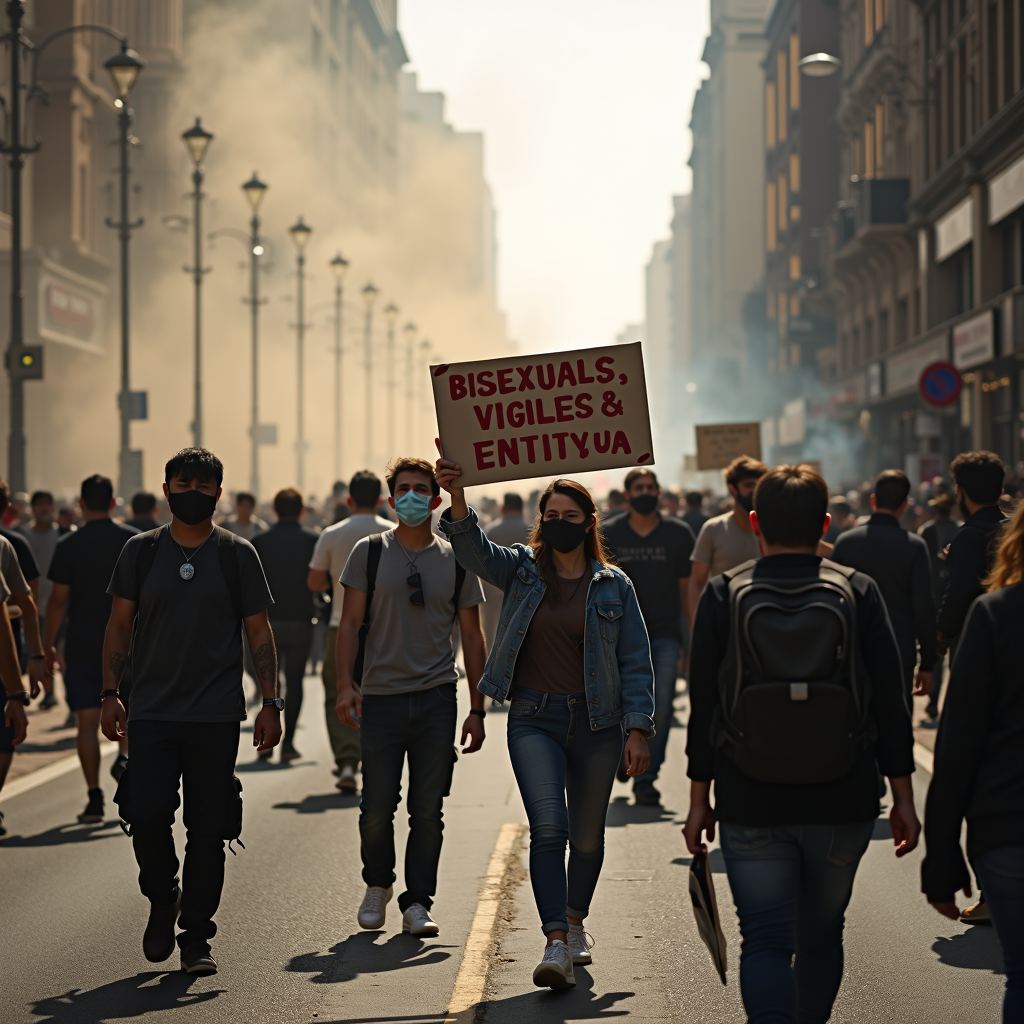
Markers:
(26, 362)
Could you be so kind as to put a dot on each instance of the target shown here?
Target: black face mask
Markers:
(562, 535)
(644, 504)
(192, 506)
(746, 501)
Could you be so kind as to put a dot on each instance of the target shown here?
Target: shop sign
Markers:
(974, 341)
(903, 370)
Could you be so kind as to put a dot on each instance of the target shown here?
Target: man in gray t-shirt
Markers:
(407, 704)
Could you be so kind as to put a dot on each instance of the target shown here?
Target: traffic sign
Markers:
(940, 384)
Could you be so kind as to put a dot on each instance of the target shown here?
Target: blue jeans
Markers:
(791, 885)
(565, 772)
(421, 725)
(1001, 877)
(665, 659)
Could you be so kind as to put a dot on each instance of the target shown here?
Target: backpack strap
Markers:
(229, 567)
(372, 562)
(147, 555)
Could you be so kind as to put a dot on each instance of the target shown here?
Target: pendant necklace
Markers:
(187, 570)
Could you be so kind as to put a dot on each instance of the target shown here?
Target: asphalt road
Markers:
(71, 917)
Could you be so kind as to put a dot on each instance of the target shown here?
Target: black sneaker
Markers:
(117, 770)
(93, 813)
(158, 939)
(196, 959)
(646, 795)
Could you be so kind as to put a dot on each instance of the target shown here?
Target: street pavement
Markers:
(290, 950)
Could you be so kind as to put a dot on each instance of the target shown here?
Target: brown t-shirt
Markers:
(551, 658)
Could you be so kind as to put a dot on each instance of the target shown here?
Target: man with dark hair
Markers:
(42, 535)
(796, 784)
(694, 516)
(898, 562)
(285, 551)
(404, 592)
(81, 568)
(187, 590)
(654, 551)
(326, 565)
(143, 512)
(979, 485)
(243, 521)
(727, 540)
(511, 528)
(938, 534)
(843, 519)
(617, 504)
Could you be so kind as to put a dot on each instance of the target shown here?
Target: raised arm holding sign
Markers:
(541, 415)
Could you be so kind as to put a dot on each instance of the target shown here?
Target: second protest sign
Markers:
(550, 414)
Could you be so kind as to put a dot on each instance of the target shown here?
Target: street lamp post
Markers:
(124, 68)
(391, 314)
(409, 330)
(338, 267)
(25, 362)
(370, 293)
(424, 392)
(197, 140)
(254, 190)
(300, 233)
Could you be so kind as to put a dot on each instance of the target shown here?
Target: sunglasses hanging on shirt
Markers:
(416, 597)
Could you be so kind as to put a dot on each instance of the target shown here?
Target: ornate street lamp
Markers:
(391, 315)
(339, 266)
(300, 233)
(370, 293)
(409, 330)
(255, 190)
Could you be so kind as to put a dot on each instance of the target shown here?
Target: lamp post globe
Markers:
(254, 190)
(819, 65)
(124, 68)
(197, 140)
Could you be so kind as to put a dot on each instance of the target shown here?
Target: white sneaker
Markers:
(580, 944)
(372, 909)
(416, 920)
(346, 779)
(555, 970)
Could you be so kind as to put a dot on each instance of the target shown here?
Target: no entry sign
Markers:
(940, 384)
(549, 414)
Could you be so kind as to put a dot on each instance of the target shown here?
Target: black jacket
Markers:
(285, 551)
(979, 753)
(937, 534)
(898, 562)
(971, 552)
(741, 800)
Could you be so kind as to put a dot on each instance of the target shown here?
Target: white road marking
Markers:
(924, 758)
(54, 770)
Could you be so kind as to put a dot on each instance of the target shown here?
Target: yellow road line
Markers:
(468, 994)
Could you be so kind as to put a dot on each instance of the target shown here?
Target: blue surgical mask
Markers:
(412, 508)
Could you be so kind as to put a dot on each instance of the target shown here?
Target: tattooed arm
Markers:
(116, 643)
(267, 730)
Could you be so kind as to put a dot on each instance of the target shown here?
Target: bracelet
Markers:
(21, 695)
(109, 693)
(479, 712)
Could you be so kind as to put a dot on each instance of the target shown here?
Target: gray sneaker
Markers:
(374, 906)
(555, 970)
(580, 944)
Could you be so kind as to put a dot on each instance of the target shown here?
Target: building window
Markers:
(794, 71)
(869, 150)
(770, 211)
(880, 140)
(769, 115)
(794, 172)
(794, 305)
(1011, 253)
(794, 354)
(883, 331)
(781, 86)
(794, 214)
(794, 267)
(783, 203)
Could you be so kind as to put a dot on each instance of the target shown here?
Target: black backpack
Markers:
(372, 562)
(793, 694)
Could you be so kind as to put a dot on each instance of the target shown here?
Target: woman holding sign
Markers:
(572, 654)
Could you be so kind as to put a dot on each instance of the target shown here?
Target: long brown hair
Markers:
(593, 542)
(1009, 564)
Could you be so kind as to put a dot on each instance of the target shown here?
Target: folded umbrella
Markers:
(705, 911)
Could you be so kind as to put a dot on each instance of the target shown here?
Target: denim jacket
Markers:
(618, 677)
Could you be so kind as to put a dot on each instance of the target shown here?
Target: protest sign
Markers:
(550, 414)
(720, 443)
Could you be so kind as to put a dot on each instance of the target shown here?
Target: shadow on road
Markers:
(62, 834)
(976, 949)
(547, 1007)
(148, 992)
(362, 954)
(321, 802)
(882, 829)
(270, 766)
(622, 812)
(715, 859)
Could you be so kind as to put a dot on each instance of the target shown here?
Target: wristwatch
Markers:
(274, 702)
(21, 696)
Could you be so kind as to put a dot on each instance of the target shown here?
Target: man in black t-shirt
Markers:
(80, 570)
(188, 589)
(654, 551)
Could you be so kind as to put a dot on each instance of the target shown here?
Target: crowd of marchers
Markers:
(803, 630)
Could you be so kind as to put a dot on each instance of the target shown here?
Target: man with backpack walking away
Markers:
(898, 562)
(187, 590)
(404, 591)
(790, 715)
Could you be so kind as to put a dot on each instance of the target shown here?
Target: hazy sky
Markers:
(585, 106)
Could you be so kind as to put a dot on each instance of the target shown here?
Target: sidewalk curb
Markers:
(48, 773)
(468, 994)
